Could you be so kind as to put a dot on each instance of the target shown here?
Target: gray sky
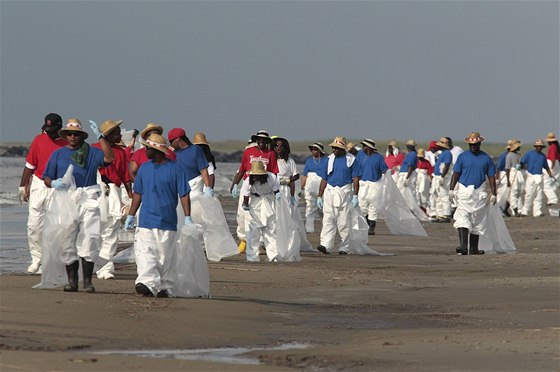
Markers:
(303, 70)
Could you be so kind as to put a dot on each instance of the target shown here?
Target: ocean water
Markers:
(14, 252)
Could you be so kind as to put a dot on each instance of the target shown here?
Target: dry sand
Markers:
(424, 309)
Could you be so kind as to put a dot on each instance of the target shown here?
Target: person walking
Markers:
(139, 156)
(442, 181)
(470, 172)
(553, 160)
(82, 238)
(287, 172)
(394, 158)
(338, 192)
(534, 162)
(33, 190)
(200, 140)
(502, 180)
(373, 168)
(407, 175)
(310, 182)
(515, 180)
(424, 180)
(160, 184)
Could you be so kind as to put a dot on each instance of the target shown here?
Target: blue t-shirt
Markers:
(535, 162)
(444, 158)
(84, 177)
(474, 168)
(361, 157)
(410, 161)
(160, 186)
(373, 167)
(501, 163)
(341, 174)
(313, 165)
(192, 160)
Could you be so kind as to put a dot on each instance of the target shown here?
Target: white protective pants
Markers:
(241, 234)
(197, 185)
(443, 205)
(411, 200)
(550, 187)
(155, 255)
(501, 186)
(82, 238)
(533, 194)
(369, 191)
(311, 190)
(423, 187)
(38, 198)
(261, 226)
(110, 206)
(517, 180)
(471, 209)
(337, 202)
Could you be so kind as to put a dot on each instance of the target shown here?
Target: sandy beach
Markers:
(423, 309)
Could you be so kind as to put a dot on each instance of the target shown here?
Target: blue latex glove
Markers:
(320, 202)
(235, 192)
(355, 201)
(59, 184)
(294, 200)
(245, 207)
(188, 220)
(129, 223)
(95, 129)
(518, 166)
(278, 196)
(208, 192)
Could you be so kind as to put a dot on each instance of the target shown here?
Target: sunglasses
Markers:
(73, 134)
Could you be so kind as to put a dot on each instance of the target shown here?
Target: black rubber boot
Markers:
(463, 241)
(474, 245)
(506, 209)
(371, 224)
(87, 270)
(72, 272)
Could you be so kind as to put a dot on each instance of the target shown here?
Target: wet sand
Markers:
(424, 309)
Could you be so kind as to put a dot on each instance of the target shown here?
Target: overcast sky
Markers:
(303, 70)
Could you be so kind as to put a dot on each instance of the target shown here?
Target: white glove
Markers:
(21, 194)
(451, 195)
(320, 202)
(235, 191)
(278, 196)
(208, 192)
(59, 184)
(129, 223)
(245, 207)
(188, 220)
(95, 129)
(493, 199)
(355, 201)
(285, 181)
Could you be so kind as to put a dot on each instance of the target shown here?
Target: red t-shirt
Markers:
(140, 156)
(252, 154)
(40, 151)
(553, 153)
(425, 164)
(394, 161)
(117, 171)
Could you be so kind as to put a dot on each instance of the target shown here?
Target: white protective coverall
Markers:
(311, 191)
(337, 203)
(533, 194)
(110, 214)
(440, 187)
(423, 183)
(369, 201)
(38, 199)
(550, 187)
(471, 208)
(517, 180)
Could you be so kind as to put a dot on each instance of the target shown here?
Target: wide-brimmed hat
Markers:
(175, 133)
(539, 143)
(443, 142)
(550, 137)
(514, 145)
(318, 145)
(421, 153)
(150, 127)
(339, 142)
(508, 143)
(393, 143)
(199, 138)
(156, 142)
(257, 169)
(261, 134)
(52, 122)
(474, 137)
(350, 145)
(369, 143)
(108, 125)
(410, 142)
(73, 125)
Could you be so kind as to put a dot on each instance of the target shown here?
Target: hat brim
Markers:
(471, 142)
(514, 147)
(368, 144)
(257, 173)
(146, 130)
(317, 147)
(64, 132)
(551, 139)
(254, 138)
(160, 149)
(110, 129)
(337, 145)
(539, 145)
(441, 144)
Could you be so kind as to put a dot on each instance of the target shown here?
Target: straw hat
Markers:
(156, 142)
(550, 137)
(150, 127)
(261, 134)
(443, 142)
(200, 139)
(393, 143)
(350, 146)
(73, 125)
(257, 169)
(539, 143)
(514, 145)
(421, 153)
(108, 125)
(474, 137)
(318, 145)
(410, 142)
(508, 143)
(369, 143)
(339, 142)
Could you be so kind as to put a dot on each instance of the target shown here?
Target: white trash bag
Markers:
(191, 277)
(496, 239)
(288, 239)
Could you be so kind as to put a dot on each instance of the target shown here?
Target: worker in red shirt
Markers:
(32, 189)
(393, 158)
(553, 160)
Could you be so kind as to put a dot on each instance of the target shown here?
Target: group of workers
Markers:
(167, 172)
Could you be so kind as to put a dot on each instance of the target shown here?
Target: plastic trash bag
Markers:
(125, 256)
(496, 239)
(304, 245)
(287, 235)
(191, 277)
(358, 239)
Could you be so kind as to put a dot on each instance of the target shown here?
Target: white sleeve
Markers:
(246, 188)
